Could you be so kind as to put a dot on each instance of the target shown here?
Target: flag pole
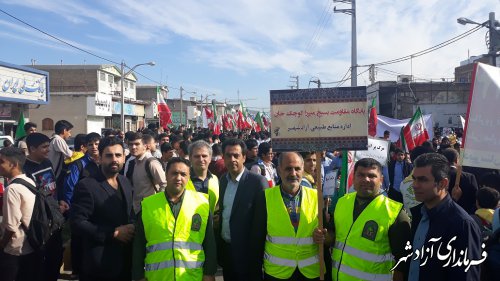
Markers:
(319, 188)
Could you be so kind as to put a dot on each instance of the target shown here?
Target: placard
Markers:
(378, 149)
(319, 119)
(481, 147)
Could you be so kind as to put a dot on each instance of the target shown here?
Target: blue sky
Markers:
(251, 46)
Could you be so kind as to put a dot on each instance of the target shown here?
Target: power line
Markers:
(57, 39)
(74, 46)
(428, 50)
(322, 22)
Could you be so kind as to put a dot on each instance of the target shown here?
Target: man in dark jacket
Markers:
(450, 237)
(242, 216)
(399, 169)
(101, 213)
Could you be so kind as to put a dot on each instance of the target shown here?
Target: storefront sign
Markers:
(129, 109)
(24, 85)
(100, 105)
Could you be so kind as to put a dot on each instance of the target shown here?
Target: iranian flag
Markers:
(414, 133)
(372, 120)
(259, 120)
(163, 110)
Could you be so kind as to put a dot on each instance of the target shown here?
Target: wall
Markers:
(62, 107)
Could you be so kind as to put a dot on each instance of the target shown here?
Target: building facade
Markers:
(89, 96)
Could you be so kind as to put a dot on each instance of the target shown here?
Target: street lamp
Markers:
(491, 24)
(123, 74)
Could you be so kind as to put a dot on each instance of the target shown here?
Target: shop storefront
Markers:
(20, 87)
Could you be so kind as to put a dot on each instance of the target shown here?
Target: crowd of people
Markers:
(177, 204)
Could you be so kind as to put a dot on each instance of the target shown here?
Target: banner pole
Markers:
(319, 188)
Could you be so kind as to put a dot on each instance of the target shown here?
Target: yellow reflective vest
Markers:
(362, 250)
(213, 191)
(174, 246)
(285, 249)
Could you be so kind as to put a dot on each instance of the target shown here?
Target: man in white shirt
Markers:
(59, 149)
(18, 260)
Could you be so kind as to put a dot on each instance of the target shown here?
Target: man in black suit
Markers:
(101, 214)
(242, 216)
(465, 194)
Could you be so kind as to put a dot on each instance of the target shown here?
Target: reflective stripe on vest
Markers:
(287, 248)
(174, 244)
(172, 263)
(362, 254)
(360, 274)
(291, 263)
(290, 240)
(179, 245)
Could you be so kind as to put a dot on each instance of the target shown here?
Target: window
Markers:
(125, 83)
(111, 78)
(102, 76)
(47, 124)
(132, 85)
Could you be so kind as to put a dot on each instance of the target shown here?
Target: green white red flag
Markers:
(414, 133)
(163, 110)
(372, 120)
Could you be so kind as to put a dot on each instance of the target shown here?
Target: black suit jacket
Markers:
(96, 211)
(469, 187)
(247, 223)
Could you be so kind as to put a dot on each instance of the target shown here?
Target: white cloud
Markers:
(274, 34)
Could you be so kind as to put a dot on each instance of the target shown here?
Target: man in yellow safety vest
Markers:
(292, 216)
(370, 230)
(200, 155)
(174, 238)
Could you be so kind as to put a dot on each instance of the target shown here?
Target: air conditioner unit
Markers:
(405, 78)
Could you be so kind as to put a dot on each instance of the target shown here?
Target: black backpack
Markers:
(46, 218)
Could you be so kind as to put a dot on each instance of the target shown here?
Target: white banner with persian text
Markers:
(481, 146)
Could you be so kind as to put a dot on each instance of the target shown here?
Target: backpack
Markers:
(147, 166)
(46, 218)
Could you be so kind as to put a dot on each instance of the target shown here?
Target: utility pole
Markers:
(494, 38)
(181, 89)
(354, 52)
(296, 78)
(371, 72)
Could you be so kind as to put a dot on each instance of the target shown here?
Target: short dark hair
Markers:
(36, 139)
(109, 141)
(92, 137)
(176, 160)
(420, 150)
(440, 167)
(386, 132)
(264, 148)
(398, 150)
(306, 154)
(450, 154)
(14, 155)
(232, 142)
(162, 135)
(216, 149)
(487, 198)
(184, 146)
(28, 126)
(165, 147)
(79, 141)
(62, 125)
(368, 163)
(128, 135)
(136, 136)
(251, 143)
(147, 138)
